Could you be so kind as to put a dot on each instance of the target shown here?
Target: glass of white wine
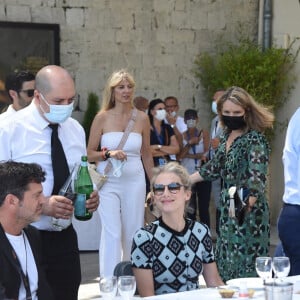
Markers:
(263, 266)
(126, 287)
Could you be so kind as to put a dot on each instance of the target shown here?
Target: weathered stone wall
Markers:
(156, 40)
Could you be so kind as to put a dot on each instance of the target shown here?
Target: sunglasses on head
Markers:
(173, 187)
(29, 93)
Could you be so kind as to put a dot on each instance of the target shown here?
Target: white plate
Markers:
(255, 283)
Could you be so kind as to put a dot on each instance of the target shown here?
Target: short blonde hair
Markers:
(175, 168)
(108, 100)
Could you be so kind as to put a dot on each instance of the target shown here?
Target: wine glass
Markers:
(126, 286)
(281, 266)
(108, 286)
(263, 265)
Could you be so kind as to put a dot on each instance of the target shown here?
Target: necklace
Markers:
(25, 247)
(24, 274)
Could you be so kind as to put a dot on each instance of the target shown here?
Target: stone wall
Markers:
(156, 40)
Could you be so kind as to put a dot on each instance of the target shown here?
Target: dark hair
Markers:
(190, 113)
(15, 177)
(14, 81)
(153, 103)
(171, 98)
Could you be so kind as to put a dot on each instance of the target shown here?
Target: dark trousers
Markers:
(200, 198)
(62, 262)
(289, 234)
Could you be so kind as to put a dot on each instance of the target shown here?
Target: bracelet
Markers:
(107, 154)
(103, 150)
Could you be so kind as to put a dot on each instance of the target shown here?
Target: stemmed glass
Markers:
(263, 265)
(108, 287)
(281, 266)
(126, 286)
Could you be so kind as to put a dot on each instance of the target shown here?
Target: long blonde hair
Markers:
(108, 100)
(257, 117)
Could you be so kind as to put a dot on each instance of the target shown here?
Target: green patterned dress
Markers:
(245, 164)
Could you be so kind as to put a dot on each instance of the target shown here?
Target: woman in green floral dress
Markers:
(241, 160)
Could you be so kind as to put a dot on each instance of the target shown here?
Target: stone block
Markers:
(75, 17)
(2, 12)
(18, 13)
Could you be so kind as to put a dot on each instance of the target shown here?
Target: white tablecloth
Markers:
(213, 294)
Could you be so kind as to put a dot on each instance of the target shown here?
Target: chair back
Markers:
(123, 268)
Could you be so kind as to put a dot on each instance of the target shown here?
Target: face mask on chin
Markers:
(160, 114)
(58, 113)
(173, 114)
(234, 122)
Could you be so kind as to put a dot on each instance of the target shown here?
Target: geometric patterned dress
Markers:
(244, 165)
(175, 257)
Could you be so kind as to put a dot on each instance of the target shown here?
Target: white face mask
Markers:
(117, 166)
(58, 113)
(160, 114)
(214, 107)
(191, 123)
(173, 114)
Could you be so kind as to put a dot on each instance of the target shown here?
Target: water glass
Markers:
(126, 286)
(108, 286)
(60, 224)
(281, 266)
(263, 266)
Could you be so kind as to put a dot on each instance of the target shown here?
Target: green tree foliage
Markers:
(92, 110)
(266, 75)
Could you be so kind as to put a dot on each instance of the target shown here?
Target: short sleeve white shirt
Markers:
(28, 139)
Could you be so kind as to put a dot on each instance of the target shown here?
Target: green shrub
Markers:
(266, 75)
(91, 111)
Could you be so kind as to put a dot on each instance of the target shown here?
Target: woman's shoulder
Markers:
(196, 225)
(256, 135)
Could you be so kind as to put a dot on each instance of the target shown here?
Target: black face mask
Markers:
(233, 122)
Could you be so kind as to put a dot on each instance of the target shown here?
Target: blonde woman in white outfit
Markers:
(122, 197)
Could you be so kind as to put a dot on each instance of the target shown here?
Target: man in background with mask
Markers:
(174, 120)
(19, 87)
(28, 139)
(215, 132)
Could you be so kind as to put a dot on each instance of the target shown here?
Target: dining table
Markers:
(213, 293)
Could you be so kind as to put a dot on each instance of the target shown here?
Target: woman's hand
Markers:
(118, 154)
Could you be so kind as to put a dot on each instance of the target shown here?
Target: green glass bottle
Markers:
(83, 188)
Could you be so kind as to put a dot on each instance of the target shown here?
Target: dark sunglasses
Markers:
(173, 187)
(29, 93)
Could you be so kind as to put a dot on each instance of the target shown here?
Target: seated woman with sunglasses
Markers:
(169, 254)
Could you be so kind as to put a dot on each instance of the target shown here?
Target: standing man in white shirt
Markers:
(288, 221)
(28, 139)
(20, 88)
(174, 120)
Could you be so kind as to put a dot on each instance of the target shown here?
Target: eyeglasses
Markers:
(29, 93)
(173, 188)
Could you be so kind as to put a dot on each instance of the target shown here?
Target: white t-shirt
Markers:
(23, 250)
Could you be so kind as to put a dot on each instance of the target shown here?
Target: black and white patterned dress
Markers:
(175, 257)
